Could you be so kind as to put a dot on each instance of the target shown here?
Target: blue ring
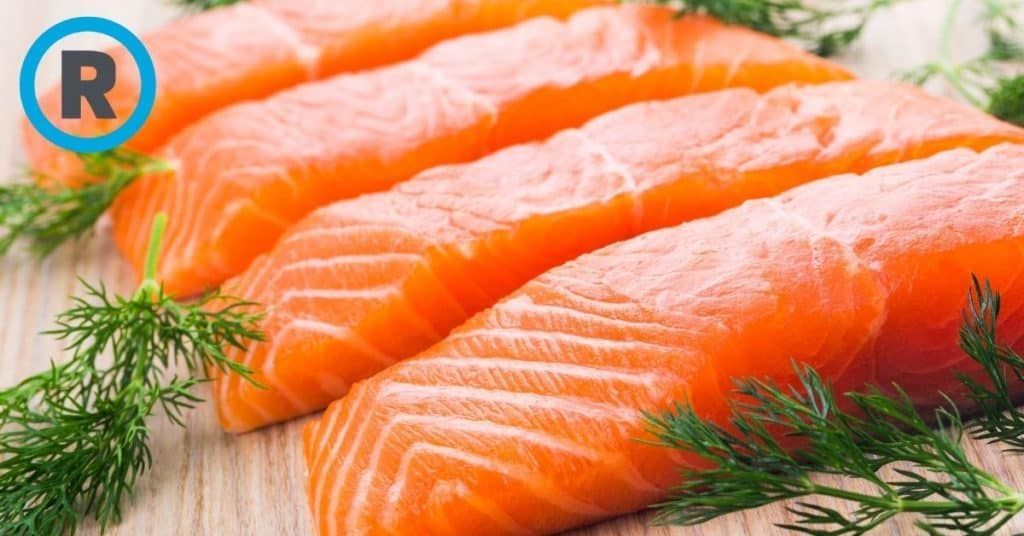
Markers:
(147, 81)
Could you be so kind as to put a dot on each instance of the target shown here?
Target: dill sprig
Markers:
(48, 215)
(754, 461)
(986, 81)
(753, 468)
(825, 27)
(1006, 100)
(74, 439)
(998, 420)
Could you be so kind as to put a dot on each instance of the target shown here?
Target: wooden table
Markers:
(208, 482)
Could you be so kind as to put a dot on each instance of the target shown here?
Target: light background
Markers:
(206, 482)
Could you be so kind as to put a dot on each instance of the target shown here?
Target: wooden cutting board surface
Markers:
(206, 482)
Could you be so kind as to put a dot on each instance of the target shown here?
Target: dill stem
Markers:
(149, 285)
(946, 66)
(837, 493)
(947, 31)
(1011, 501)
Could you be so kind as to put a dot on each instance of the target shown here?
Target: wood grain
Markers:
(206, 482)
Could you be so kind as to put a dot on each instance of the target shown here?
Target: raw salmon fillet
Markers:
(245, 174)
(255, 48)
(363, 283)
(526, 419)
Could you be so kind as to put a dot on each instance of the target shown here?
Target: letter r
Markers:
(73, 88)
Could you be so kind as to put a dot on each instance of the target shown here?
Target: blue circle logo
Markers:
(147, 81)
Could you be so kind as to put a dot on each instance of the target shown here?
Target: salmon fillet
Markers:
(247, 173)
(525, 419)
(255, 48)
(363, 283)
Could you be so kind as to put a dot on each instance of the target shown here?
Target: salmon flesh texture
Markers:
(245, 174)
(363, 283)
(526, 419)
(255, 48)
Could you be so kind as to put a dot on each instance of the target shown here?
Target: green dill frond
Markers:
(998, 420)
(1004, 48)
(74, 439)
(1006, 101)
(1005, 29)
(48, 216)
(985, 81)
(752, 467)
(825, 27)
